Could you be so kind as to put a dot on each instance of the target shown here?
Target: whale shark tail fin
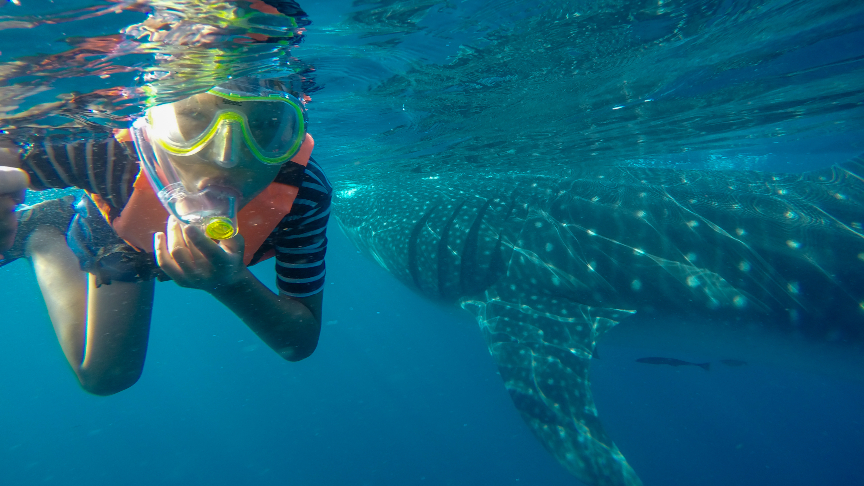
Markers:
(543, 346)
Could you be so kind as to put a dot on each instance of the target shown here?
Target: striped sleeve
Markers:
(301, 238)
(92, 161)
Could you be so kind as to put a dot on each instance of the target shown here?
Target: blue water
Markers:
(401, 391)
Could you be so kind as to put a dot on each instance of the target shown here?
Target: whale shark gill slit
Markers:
(413, 242)
(473, 277)
(445, 253)
(468, 275)
(497, 267)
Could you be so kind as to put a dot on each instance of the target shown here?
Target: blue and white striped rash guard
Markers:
(300, 239)
(101, 165)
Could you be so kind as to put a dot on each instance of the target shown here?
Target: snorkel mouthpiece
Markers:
(220, 228)
(212, 210)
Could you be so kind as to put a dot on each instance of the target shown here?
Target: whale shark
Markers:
(549, 260)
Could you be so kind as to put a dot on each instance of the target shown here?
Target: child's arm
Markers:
(290, 326)
(13, 182)
(12, 185)
(94, 161)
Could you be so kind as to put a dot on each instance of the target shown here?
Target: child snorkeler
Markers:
(195, 191)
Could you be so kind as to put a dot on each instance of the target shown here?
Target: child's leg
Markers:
(103, 331)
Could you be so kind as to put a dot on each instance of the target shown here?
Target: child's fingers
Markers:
(164, 259)
(174, 234)
(179, 247)
(234, 245)
(201, 247)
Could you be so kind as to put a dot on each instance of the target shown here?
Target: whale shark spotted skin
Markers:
(549, 260)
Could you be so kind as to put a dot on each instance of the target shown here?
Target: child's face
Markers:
(224, 161)
(246, 179)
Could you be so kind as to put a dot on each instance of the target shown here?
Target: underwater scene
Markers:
(597, 242)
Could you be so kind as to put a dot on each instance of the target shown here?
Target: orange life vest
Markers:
(144, 215)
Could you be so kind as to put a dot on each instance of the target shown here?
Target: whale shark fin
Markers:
(542, 345)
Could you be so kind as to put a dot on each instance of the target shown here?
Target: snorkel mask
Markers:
(223, 135)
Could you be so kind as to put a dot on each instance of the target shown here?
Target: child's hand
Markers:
(193, 260)
(13, 182)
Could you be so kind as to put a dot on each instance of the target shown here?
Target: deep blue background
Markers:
(400, 391)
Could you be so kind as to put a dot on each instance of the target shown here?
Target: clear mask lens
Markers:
(272, 127)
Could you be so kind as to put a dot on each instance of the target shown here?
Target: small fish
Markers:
(733, 362)
(673, 362)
